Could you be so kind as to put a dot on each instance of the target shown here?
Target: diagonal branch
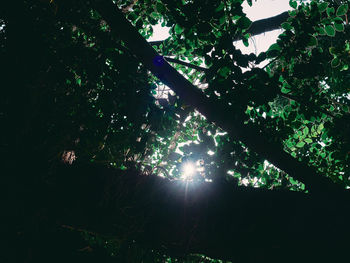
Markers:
(214, 111)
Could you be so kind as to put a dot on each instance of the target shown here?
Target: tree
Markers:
(86, 130)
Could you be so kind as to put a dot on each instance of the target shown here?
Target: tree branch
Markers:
(267, 24)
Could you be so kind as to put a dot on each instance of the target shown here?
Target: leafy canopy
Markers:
(104, 105)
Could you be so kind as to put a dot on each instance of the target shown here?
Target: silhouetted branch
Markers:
(267, 24)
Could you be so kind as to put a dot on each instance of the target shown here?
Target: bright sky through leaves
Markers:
(259, 10)
(189, 169)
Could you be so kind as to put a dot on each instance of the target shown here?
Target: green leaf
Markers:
(250, 2)
(292, 13)
(285, 91)
(274, 47)
(246, 36)
(342, 10)
(286, 26)
(293, 3)
(224, 71)
(244, 22)
(330, 31)
(306, 131)
(220, 7)
(182, 50)
(345, 67)
(320, 128)
(338, 20)
(245, 42)
(222, 20)
(290, 144)
(335, 62)
(332, 50)
(300, 144)
(339, 27)
(321, 31)
(330, 11)
(322, 7)
(178, 29)
(312, 42)
(308, 140)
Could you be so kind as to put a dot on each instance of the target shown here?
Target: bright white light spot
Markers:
(188, 118)
(245, 181)
(188, 169)
(159, 33)
(177, 150)
(2, 25)
(210, 152)
(231, 172)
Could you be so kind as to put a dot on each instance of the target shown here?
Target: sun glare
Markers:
(188, 170)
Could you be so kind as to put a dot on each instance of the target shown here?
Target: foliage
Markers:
(297, 103)
(87, 93)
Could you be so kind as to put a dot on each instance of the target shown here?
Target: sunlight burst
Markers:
(188, 169)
